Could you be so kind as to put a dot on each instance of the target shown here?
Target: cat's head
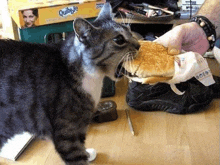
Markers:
(104, 43)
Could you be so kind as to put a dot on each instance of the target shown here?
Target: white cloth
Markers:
(189, 65)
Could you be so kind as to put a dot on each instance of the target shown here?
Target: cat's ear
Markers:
(106, 12)
(82, 29)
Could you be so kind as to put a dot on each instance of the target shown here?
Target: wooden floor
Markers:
(161, 138)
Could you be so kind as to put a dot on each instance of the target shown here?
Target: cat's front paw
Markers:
(92, 154)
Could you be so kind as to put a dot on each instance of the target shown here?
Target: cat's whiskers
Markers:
(123, 20)
(130, 61)
(130, 20)
(129, 56)
(127, 59)
(126, 20)
(122, 61)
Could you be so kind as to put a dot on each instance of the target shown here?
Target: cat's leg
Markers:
(69, 142)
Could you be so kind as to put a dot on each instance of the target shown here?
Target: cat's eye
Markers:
(120, 40)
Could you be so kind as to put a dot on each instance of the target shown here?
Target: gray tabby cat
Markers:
(52, 90)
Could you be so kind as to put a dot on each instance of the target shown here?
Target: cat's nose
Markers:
(137, 45)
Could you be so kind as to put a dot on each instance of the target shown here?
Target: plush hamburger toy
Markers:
(152, 64)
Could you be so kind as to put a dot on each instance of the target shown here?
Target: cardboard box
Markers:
(31, 13)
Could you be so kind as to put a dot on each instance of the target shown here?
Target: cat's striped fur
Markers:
(52, 90)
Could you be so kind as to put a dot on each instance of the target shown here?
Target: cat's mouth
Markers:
(120, 70)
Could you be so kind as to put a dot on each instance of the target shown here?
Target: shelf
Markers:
(133, 21)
